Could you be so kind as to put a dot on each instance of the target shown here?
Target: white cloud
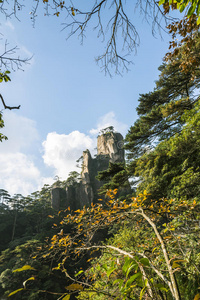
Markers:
(61, 151)
(107, 120)
(18, 173)
(21, 132)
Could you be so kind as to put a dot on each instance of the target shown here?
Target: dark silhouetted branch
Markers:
(8, 107)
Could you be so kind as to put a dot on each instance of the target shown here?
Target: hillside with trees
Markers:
(143, 247)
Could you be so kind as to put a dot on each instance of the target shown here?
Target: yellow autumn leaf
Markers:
(67, 297)
(154, 249)
(175, 265)
(197, 297)
(61, 232)
(24, 268)
(115, 191)
(24, 283)
(73, 13)
(16, 291)
(145, 193)
(74, 287)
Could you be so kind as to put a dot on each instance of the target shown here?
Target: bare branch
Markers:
(110, 18)
(8, 107)
(8, 60)
(165, 253)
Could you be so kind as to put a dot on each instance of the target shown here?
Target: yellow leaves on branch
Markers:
(111, 194)
(85, 222)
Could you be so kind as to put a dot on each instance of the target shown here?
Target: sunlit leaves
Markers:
(191, 7)
(15, 292)
(66, 297)
(4, 76)
(24, 268)
(85, 222)
(185, 43)
(31, 278)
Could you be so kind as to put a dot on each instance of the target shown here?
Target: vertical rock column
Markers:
(87, 167)
(58, 198)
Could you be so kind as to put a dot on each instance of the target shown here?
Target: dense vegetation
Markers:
(24, 224)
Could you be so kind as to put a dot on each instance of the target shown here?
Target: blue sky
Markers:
(65, 98)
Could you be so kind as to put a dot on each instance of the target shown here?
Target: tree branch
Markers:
(8, 107)
(175, 293)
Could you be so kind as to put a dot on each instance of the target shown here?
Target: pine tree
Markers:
(163, 153)
(163, 143)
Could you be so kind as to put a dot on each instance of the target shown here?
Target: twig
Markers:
(8, 107)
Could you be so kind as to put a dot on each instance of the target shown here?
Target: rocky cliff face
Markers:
(109, 148)
(111, 144)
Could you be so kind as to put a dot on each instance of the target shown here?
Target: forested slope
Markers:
(144, 247)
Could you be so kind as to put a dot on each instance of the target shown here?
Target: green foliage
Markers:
(4, 76)
(27, 281)
(152, 250)
(191, 7)
(26, 224)
(73, 178)
(133, 264)
(11, 260)
(162, 153)
(172, 168)
(114, 177)
(107, 130)
(160, 112)
(2, 137)
(23, 218)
